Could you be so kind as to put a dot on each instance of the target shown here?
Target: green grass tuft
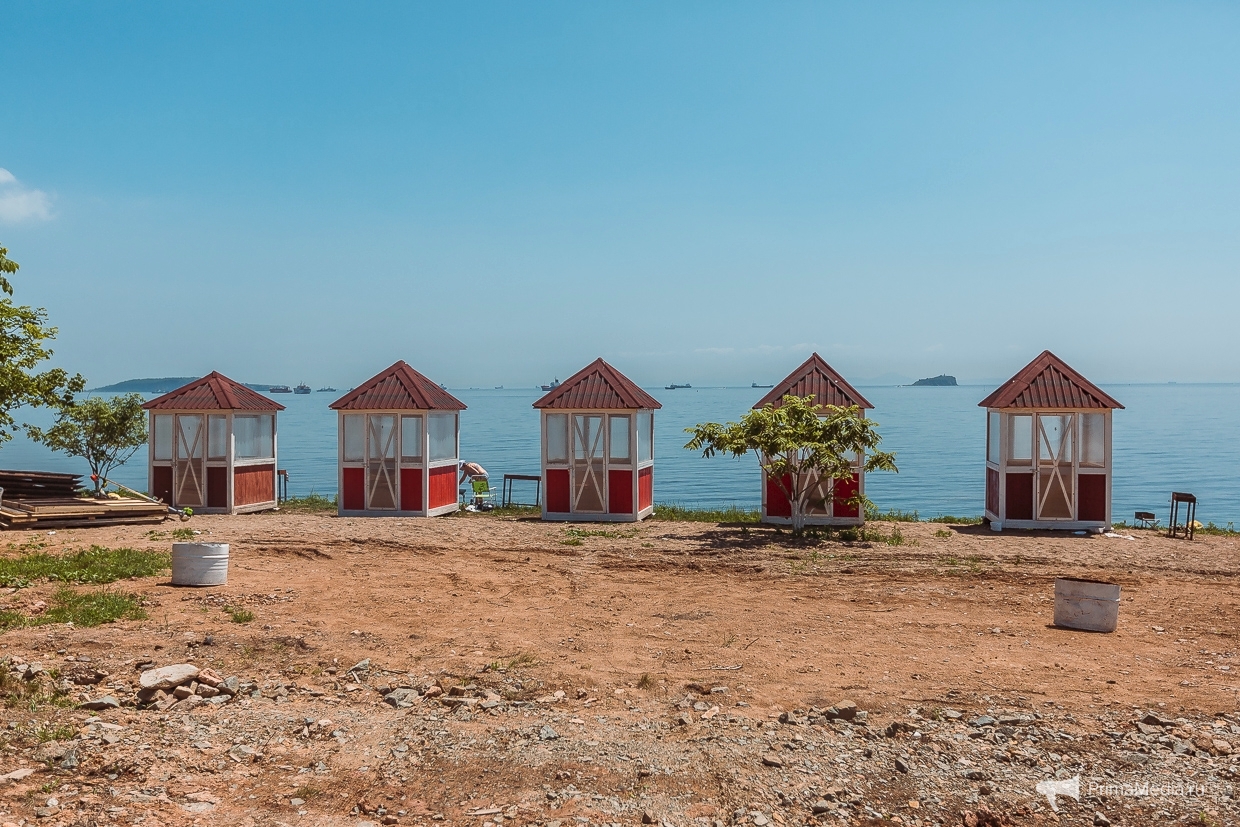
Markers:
(94, 565)
(948, 519)
(674, 512)
(86, 609)
(312, 503)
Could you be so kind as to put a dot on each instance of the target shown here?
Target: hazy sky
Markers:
(697, 192)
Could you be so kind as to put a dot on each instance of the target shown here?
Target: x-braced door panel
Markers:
(819, 487)
(588, 466)
(189, 470)
(381, 462)
(1056, 488)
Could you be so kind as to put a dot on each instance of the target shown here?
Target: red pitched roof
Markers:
(399, 388)
(1048, 382)
(816, 377)
(598, 385)
(213, 392)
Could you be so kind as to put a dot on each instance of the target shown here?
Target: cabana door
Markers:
(188, 468)
(1056, 492)
(381, 462)
(589, 465)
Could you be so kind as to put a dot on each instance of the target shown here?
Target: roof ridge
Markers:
(833, 377)
(1010, 394)
(624, 389)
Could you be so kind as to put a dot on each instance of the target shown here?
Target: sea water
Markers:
(1168, 438)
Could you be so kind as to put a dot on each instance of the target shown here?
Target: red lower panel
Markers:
(842, 491)
(1091, 491)
(992, 490)
(161, 483)
(645, 487)
(442, 487)
(777, 504)
(619, 492)
(217, 488)
(353, 498)
(254, 484)
(1019, 497)
(411, 489)
(558, 491)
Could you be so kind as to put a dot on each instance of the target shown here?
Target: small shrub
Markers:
(942, 532)
(237, 615)
(572, 541)
(645, 682)
(956, 520)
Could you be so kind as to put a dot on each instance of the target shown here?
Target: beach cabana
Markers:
(598, 447)
(213, 447)
(1048, 449)
(398, 442)
(827, 503)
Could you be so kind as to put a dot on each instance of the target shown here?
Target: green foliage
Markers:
(7, 268)
(94, 565)
(799, 443)
(679, 513)
(891, 515)
(237, 615)
(950, 520)
(104, 431)
(24, 335)
(312, 503)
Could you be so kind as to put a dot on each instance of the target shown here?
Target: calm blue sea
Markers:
(1169, 437)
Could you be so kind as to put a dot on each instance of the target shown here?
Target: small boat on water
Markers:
(302, 388)
(499, 387)
(756, 385)
(327, 390)
(279, 389)
(674, 386)
(555, 383)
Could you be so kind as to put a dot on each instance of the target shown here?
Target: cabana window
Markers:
(253, 437)
(618, 449)
(163, 436)
(1093, 440)
(992, 438)
(410, 439)
(441, 428)
(1021, 452)
(645, 436)
(557, 439)
(354, 438)
(217, 437)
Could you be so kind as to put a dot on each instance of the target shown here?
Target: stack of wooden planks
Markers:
(38, 499)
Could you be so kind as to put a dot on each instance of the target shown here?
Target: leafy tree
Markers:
(24, 335)
(103, 431)
(797, 444)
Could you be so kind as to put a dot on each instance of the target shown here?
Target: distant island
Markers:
(942, 380)
(168, 383)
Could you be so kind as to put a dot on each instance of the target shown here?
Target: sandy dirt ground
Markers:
(667, 672)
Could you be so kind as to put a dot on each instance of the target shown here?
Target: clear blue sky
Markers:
(697, 192)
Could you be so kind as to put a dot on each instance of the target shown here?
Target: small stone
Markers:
(103, 702)
(296, 802)
(168, 677)
(847, 710)
(207, 691)
(230, 685)
(1222, 747)
(771, 761)
(683, 720)
(901, 765)
(362, 665)
(977, 775)
(70, 761)
(181, 693)
(952, 714)
(982, 721)
(210, 677)
(648, 817)
(761, 820)
(820, 807)
(1101, 820)
(547, 733)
